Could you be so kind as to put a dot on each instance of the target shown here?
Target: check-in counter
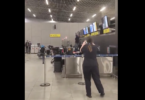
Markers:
(105, 65)
(73, 66)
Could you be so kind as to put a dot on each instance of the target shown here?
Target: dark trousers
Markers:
(94, 72)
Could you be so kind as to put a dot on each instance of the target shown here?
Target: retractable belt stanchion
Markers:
(44, 84)
(82, 83)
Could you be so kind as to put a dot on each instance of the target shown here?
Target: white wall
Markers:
(38, 32)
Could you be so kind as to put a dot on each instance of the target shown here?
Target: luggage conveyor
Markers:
(73, 63)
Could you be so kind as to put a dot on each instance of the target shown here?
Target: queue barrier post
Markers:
(44, 63)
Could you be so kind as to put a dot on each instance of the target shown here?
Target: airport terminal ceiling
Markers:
(61, 10)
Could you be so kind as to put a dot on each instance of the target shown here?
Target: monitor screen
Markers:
(91, 28)
(105, 22)
(87, 30)
(95, 26)
(84, 31)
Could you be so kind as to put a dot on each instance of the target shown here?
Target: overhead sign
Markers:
(106, 30)
(94, 33)
(55, 35)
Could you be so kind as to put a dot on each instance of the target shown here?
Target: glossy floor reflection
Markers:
(60, 88)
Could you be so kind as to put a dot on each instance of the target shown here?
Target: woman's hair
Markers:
(89, 40)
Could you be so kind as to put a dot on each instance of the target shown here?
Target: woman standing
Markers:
(90, 67)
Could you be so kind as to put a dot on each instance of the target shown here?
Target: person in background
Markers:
(77, 41)
(90, 67)
(42, 51)
(27, 45)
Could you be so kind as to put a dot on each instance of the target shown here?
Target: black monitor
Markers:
(91, 28)
(101, 28)
(87, 30)
(105, 22)
(84, 31)
(95, 27)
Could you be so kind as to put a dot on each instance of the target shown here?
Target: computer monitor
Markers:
(87, 30)
(105, 22)
(91, 28)
(101, 28)
(84, 31)
(95, 27)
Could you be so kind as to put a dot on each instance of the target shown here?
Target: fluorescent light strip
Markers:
(88, 20)
(49, 10)
(102, 9)
(74, 8)
(112, 18)
(47, 2)
(29, 10)
(71, 15)
(34, 15)
(94, 15)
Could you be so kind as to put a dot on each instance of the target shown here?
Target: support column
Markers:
(116, 17)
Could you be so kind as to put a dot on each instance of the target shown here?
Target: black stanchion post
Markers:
(44, 84)
(82, 83)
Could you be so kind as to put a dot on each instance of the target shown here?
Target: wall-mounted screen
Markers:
(105, 22)
(95, 28)
(87, 30)
(91, 28)
(84, 31)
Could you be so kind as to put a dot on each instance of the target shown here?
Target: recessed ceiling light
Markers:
(51, 16)
(71, 15)
(112, 18)
(78, 0)
(102, 9)
(94, 15)
(34, 15)
(49, 10)
(69, 19)
(47, 2)
(74, 8)
(88, 20)
(29, 10)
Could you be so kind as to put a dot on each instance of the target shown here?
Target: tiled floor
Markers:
(60, 88)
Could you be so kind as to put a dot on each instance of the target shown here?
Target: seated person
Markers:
(42, 50)
(69, 51)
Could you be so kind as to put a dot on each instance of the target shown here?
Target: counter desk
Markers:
(73, 65)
